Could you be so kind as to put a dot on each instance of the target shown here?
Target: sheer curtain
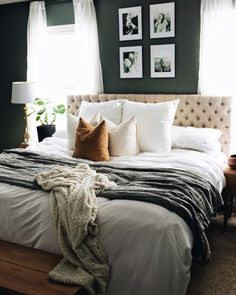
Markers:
(35, 37)
(217, 47)
(89, 72)
(37, 24)
(217, 70)
(63, 59)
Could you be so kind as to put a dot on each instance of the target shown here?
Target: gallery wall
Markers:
(186, 40)
(13, 52)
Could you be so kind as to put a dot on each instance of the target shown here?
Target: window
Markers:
(58, 74)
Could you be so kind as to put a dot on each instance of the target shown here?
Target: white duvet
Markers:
(148, 247)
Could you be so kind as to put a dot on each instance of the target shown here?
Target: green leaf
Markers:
(59, 109)
(37, 118)
(40, 112)
(39, 101)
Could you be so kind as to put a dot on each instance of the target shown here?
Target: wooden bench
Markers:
(25, 270)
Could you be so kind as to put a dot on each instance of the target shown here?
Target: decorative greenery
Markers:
(45, 111)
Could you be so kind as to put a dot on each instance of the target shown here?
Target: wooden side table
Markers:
(228, 194)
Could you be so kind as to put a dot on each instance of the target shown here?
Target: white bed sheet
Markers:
(148, 247)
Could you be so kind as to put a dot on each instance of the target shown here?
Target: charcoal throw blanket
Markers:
(74, 208)
(185, 193)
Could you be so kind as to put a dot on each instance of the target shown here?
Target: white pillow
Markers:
(200, 139)
(112, 110)
(122, 138)
(154, 122)
(72, 124)
(62, 133)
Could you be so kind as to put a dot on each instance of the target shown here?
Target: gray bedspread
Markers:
(188, 195)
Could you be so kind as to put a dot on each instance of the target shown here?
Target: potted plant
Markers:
(46, 113)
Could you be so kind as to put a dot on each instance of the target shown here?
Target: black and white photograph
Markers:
(131, 62)
(130, 23)
(162, 20)
(163, 61)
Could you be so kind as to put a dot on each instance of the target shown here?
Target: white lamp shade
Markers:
(23, 92)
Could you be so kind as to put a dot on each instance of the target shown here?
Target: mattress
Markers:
(148, 247)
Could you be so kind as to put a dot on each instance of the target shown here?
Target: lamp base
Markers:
(23, 145)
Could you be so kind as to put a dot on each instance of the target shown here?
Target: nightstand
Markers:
(228, 194)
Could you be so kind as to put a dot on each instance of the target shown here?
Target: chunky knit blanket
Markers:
(74, 208)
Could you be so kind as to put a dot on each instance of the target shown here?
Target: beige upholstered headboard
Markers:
(193, 110)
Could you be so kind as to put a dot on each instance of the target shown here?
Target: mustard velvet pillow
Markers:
(91, 142)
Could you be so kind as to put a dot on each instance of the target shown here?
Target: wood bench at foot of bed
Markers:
(25, 270)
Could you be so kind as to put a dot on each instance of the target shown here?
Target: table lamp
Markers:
(23, 93)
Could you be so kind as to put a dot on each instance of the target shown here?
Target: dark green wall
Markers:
(186, 40)
(13, 52)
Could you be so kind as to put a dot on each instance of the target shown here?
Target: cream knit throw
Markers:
(74, 208)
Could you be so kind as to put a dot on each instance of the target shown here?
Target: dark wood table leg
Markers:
(231, 203)
(226, 211)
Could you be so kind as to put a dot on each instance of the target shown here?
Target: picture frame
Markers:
(130, 23)
(162, 60)
(131, 63)
(162, 20)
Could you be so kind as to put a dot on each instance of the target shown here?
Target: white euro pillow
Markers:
(199, 139)
(112, 110)
(122, 137)
(154, 122)
(72, 124)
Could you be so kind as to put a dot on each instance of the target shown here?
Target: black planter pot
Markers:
(45, 131)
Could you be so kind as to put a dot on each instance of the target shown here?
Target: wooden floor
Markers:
(25, 271)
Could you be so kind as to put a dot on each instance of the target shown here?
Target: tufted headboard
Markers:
(193, 110)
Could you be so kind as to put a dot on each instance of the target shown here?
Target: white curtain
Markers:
(37, 24)
(35, 35)
(217, 70)
(63, 59)
(89, 71)
(217, 47)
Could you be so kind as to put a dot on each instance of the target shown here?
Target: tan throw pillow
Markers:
(91, 142)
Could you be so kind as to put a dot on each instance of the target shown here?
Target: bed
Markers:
(148, 247)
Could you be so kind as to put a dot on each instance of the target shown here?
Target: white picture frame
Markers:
(130, 23)
(162, 59)
(131, 63)
(162, 20)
